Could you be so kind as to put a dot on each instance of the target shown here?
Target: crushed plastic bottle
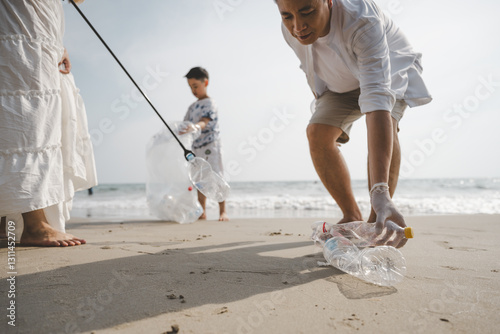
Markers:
(381, 265)
(363, 234)
(207, 181)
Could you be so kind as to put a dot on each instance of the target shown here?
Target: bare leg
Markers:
(394, 168)
(203, 201)
(222, 212)
(332, 169)
(37, 232)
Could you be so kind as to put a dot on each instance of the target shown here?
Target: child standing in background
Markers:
(204, 115)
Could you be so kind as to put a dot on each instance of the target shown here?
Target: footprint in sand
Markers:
(447, 245)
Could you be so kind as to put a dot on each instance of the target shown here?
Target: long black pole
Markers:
(187, 153)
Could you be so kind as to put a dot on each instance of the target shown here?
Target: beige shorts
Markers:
(213, 155)
(342, 109)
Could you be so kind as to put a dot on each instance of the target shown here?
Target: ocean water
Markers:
(307, 199)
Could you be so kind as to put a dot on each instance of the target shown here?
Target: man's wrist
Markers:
(379, 187)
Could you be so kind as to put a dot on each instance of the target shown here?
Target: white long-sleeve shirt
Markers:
(373, 49)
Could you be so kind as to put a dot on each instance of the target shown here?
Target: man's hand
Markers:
(380, 145)
(385, 210)
(65, 62)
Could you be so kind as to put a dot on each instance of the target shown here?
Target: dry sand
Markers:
(252, 276)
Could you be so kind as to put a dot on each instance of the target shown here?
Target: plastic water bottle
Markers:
(382, 265)
(207, 181)
(363, 234)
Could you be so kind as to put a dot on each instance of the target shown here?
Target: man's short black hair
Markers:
(198, 73)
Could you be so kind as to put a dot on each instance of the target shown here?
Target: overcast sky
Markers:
(263, 98)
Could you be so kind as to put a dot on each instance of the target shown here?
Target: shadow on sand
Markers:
(103, 294)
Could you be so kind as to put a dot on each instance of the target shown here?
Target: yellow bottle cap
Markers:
(408, 233)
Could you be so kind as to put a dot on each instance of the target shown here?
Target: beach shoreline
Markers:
(304, 199)
(252, 276)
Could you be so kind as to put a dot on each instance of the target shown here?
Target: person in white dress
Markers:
(45, 149)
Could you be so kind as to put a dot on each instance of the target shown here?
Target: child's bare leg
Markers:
(203, 201)
(222, 212)
(38, 232)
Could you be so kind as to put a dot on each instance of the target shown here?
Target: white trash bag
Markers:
(170, 194)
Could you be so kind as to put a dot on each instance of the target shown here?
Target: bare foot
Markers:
(223, 217)
(37, 232)
(348, 220)
(373, 217)
(203, 216)
(43, 235)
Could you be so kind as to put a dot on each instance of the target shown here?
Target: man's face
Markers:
(306, 20)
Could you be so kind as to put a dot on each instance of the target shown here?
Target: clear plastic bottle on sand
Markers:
(207, 181)
(381, 265)
(363, 234)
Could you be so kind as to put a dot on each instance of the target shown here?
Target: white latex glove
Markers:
(385, 209)
(190, 127)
